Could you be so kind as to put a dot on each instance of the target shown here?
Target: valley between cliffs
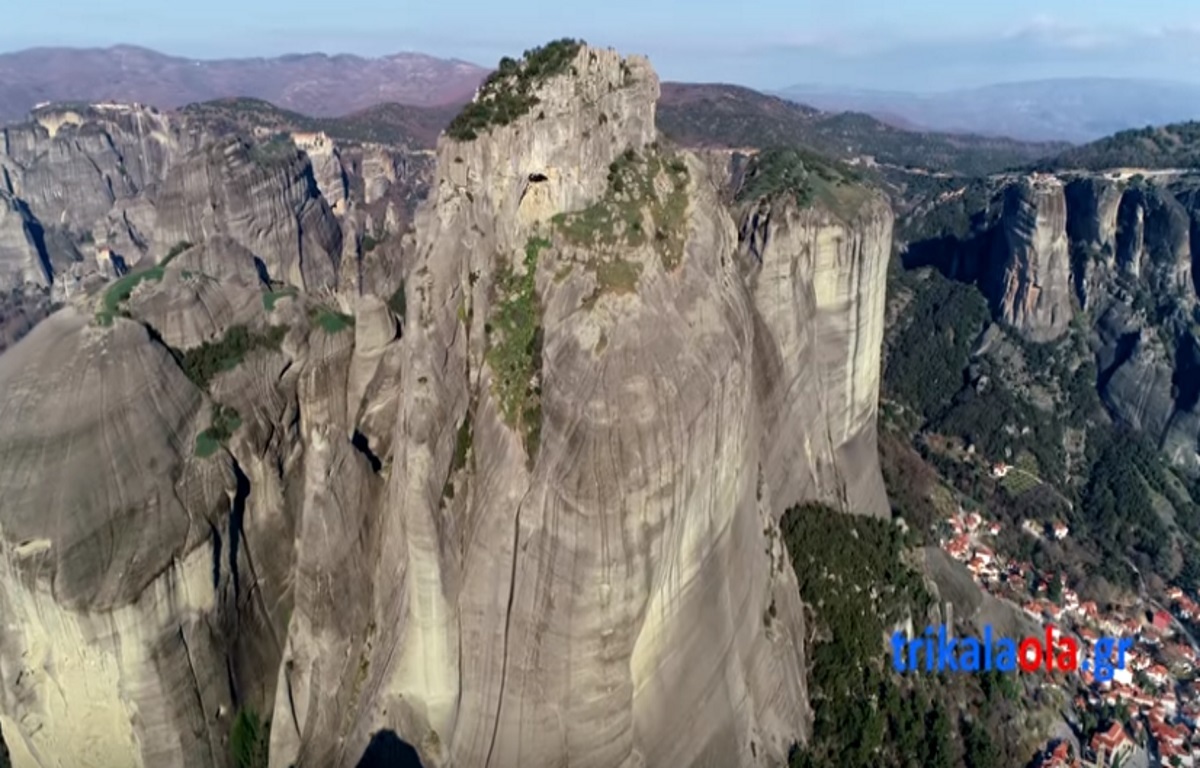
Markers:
(506, 488)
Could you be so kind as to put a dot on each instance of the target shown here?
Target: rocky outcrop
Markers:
(22, 251)
(533, 521)
(264, 198)
(1029, 277)
(202, 293)
(132, 182)
(656, 367)
(818, 283)
(1126, 250)
(108, 570)
(70, 166)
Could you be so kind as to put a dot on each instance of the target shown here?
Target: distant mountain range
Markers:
(409, 97)
(730, 116)
(315, 84)
(1074, 110)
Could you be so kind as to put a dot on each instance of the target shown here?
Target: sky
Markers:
(914, 45)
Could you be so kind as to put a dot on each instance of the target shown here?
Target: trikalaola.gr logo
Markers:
(939, 651)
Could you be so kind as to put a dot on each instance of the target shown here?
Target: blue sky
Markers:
(900, 44)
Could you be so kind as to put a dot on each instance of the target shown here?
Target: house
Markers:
(1032, 528)
(995, 529)
(1174, 594)
(979, 566)
(1111, 745)
(1169, 738)
(959, 548)
(1058, 756)
(1162, 621)
(1061, 530)
(1000, 469)
(1158, 674)
(1090, 610)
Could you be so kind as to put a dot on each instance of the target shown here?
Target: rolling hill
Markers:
(314, 84)
(731, 116)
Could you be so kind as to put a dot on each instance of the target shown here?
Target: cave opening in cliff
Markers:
(387, 750)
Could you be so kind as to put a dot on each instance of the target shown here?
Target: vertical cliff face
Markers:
(70, 166)
(131, 182)
(107, 577)
(266, 198)
(538, 526)
(600, 420)
(22, 259)
(818, 281)
(1154, 242)
(1029, 278)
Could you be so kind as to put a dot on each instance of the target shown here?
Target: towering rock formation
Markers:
(264, 197)
(1117, 258)
(535, 524)
(21, 256)
(1030, 273)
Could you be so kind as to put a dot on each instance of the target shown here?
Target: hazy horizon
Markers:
(871, 45)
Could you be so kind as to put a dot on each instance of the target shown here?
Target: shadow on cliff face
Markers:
(964, 259)
(387, 750)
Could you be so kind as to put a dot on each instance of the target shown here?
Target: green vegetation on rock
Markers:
(274, 149)
(330, 321)
(515, 346)
(507, 94)
(204, 362)
(852, 575)
(120, 291)
(462, 451)
(856, 582)
(249, 740)
(225, 421)
(634, 210)
(926, 361)
(806, 177)
(271, 298)
(1167, 146)
(397, 301)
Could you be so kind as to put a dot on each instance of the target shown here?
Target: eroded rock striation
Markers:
(1029, 280)
(513, 500)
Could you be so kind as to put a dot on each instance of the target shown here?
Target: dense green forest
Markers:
(926, 362)
(1167, 146)
(854, 575)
